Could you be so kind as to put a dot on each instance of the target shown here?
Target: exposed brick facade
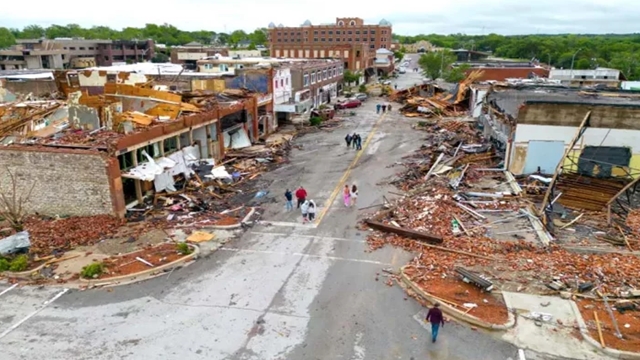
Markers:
(67, 182)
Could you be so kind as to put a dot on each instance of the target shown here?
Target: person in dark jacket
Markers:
(358, 142)
(348, 139)
(354, 142)
(289, 197)
(434, 316)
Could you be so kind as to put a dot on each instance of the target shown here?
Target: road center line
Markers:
(308, 236)
(303, 255)
(8, 289)
(46, 303)
(346, 174)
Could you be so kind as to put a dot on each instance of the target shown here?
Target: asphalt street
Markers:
(282, 290)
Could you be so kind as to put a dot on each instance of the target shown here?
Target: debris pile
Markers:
(431, 101)
(49, 236)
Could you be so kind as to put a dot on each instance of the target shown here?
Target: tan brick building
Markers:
(349, 39)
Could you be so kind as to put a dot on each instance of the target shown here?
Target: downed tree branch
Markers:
(423, 237)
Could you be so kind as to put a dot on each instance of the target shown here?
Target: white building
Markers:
(605, 76)
(282, 87)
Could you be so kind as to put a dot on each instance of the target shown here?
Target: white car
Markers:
(402, 70)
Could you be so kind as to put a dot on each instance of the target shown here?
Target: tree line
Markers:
(621, 52)
(162, 34)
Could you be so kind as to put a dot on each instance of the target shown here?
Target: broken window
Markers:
(126, 161)
(111, 78)
(170, 145)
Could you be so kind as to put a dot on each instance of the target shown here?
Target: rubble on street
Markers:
(555, 233)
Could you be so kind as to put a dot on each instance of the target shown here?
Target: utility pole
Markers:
(573, 58)
(441, 64)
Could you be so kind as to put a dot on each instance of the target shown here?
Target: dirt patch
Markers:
(630, 335)
(128, 264)
(491, 308)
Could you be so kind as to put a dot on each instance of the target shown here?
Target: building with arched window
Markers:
(349, 39)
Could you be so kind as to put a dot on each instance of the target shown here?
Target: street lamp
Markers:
(573, 58)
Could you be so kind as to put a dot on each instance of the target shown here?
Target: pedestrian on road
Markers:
(289, 196)
(378, 108)
(354, 142)
(358, 143)
(389, 107)
(348, 139)
(434, 316)
(395, 86)
(304, 208)
(311, 210)
(384, 108)
(301, 195)
(346, 196)
(354, 194)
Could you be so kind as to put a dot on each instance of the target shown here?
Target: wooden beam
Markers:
(627, 187)
(572, 143)
(423, 237)
(595, 316)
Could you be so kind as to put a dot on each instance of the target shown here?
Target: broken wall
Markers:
(544, 131)
(253, 81)
(65, 182)
(36, 87)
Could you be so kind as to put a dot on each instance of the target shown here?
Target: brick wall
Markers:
(66, 182)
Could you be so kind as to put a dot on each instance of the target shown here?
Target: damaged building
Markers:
(105, 148)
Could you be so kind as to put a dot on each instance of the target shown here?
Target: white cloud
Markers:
(409, 18)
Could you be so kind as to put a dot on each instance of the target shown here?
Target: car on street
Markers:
(385, 82)
(361, 96)
(349, 104)
(402, 70)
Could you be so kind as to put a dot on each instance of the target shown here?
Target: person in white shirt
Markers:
(305, 210)
(354, 194)
(311, 210)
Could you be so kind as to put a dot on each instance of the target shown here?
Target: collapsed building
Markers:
(120, 136)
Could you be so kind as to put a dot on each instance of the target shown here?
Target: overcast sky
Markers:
(408, 18)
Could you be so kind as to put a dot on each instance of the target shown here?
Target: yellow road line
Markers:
(344, 177)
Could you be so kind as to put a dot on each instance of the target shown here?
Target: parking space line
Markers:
(24, 319)
(8, 289)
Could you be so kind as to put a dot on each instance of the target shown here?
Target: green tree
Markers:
(236, 37)
(349, 77)
(31, 32)
(434, 64)
(398, 54)
(258, 36)
(160, 58)
(456, 74)
(6, 38)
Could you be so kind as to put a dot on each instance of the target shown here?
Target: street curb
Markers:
(616, 354)
(122, 280)
(22, 275)
(230, 227)
(457, 314)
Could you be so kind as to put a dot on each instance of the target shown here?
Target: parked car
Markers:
(349, 104)
(402, 70)
(385, 82)
(360, 96)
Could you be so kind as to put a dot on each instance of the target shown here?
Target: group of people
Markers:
(382, 108)
(354, 141)
(307, 206)
(350, 195)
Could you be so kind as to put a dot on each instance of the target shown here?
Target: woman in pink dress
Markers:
(346, 195)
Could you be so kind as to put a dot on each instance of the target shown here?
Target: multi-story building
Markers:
(590, 77)
(63, 53)
(348, 39)
(298, 84)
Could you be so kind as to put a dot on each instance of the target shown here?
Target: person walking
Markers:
(354, 137)
(395, 86)
(346, 195)
(289, 197)
(311, 210)
(304, 208)
(358, 143)
(301, 195)
(348, 139)
(434, 316)
(378, 108)
(384, 108)
(354, 194)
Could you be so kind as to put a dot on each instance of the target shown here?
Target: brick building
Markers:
(349, 39)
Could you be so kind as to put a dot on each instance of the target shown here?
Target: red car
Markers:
(349, 104)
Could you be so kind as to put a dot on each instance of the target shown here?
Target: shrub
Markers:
(183, 248)
(362, 89)
(4, 265)
(92, 271)
(315, 121)
(19, 263)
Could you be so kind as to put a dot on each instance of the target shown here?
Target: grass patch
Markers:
(183, 248)
(92, 271)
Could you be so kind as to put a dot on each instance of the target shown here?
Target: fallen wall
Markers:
(66, 182)
(35, 87)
